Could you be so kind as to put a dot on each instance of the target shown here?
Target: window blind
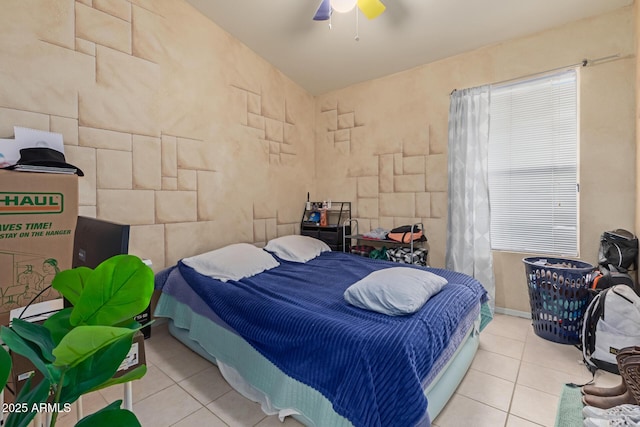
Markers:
(533, 159)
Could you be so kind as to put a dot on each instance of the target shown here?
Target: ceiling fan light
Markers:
(324, 11)
(371, 8)
(343, 6)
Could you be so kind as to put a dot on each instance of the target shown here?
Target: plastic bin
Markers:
(559, 295)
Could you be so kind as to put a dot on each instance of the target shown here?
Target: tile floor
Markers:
(515, 381)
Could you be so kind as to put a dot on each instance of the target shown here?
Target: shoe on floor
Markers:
(624, 421)
(631, 411)
(604, 391)
(609, 401)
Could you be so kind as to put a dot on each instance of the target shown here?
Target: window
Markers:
(533, 165)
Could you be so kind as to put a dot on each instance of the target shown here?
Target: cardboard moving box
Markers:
(38, 214)
(23, 368)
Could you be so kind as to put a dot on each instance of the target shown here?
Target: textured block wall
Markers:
(378, 148)
(383, 143)
(181, 130)
(189, 136)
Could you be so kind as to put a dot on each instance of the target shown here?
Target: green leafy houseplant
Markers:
(79, 349)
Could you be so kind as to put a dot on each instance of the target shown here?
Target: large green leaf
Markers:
(70, 283)
(36, 334)
(134, 374)
(5, 367)
(110, 416)
(84, 341)
(95, 370)
(58, 324)
(17, 344)
(130, 323)
(26, 400)
(118, 289)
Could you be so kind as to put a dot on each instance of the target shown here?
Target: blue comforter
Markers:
(369, 365)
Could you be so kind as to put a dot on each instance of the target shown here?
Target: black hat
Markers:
(43, 156)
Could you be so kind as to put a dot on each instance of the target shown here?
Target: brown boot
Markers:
(608, 401)
(618, 389)
(604, 391)
(630, 372)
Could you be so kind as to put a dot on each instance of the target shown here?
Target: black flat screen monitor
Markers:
(97, 240)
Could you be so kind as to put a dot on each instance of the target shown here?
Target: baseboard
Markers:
(516, 313)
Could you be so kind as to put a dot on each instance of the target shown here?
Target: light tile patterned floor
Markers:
(515, 381)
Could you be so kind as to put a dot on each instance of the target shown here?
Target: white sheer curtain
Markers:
(469, 222)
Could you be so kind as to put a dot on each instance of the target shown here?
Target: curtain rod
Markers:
(584, 63)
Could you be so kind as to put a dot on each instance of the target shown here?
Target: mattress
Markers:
(456, 320)
(280, 394)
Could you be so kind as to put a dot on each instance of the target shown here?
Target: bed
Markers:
(287, 338)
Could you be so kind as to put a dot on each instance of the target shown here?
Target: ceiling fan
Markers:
(370, 8)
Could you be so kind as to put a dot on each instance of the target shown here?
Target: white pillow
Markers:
(394, 291)
(297, 248)
(232, 262)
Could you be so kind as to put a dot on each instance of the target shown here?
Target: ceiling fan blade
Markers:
(324, 11)
(371, 8)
